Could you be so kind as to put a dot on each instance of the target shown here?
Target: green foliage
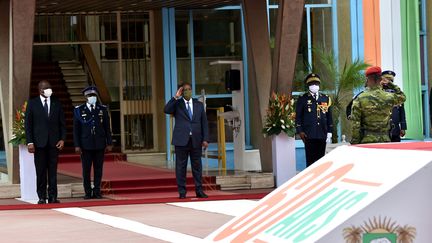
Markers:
(280, 116)
(18, 130)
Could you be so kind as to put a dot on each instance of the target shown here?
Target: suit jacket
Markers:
(42, 130)
(314, 117)
(184, 125)
(91, 129)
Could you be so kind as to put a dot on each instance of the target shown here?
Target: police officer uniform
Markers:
(92, 136)
(398, 120)
(314, 119)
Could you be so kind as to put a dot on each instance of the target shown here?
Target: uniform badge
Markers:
(309, 102)
(309, 109)
(323, 107)
(83, 114)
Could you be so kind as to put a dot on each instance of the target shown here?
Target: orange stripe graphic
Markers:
(371, 27)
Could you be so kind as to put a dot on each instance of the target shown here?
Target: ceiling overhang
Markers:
(101, 6)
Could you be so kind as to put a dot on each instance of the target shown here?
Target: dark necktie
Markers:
(46, 107)
(91, 108)
(189, 110)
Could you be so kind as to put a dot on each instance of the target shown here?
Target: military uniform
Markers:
(92, 134)
(371, 112)
(314, 118)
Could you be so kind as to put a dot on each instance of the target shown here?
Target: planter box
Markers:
(27, 174)
(283, 158)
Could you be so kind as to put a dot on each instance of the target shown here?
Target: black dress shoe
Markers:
(182, 195)
(53, 200)
(87, 196)
(41, 201)
(97, 196)
(201, 195)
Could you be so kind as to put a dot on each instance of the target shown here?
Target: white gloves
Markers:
(329, 136)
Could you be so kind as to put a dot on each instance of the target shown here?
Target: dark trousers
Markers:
(315, 150)
(182, 154)
(395, 138)
(45, 159)
(95, 158)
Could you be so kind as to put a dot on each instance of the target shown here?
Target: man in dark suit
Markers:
(189, 136)
(92, 138)
(45, 134)
(398, 120)
(314, 122)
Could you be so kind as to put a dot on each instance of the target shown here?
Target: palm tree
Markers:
(338, 83)
(406, 234)
(353, 234)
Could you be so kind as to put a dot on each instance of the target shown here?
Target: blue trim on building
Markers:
(425, 88)
(245, 81)
(173, 52)
(167, 72)
(309, 38)
(357, 36)
(192, 53)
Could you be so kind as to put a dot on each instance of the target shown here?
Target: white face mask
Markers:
(314, 88)
(47, 92)
(92, 100)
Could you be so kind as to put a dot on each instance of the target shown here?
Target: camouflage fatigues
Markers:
(371, 113)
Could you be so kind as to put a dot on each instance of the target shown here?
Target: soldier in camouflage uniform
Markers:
(372, 109)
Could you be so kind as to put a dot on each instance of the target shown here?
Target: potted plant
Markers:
(26, 160)
(280, 124)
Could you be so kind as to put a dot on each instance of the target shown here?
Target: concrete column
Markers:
(23, 15)
(5, 36)
(260, 69)
(288, 29)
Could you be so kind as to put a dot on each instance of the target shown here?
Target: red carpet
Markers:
(123, 180)
(427, 146)
(94, 203)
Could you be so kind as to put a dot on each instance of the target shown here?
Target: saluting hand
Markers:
(179, 93)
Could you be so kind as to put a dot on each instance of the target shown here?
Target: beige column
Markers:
(157, 73)
(5, 74)
(259, 62)
(288, 28)
(23, 14)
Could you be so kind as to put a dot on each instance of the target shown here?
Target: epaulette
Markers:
(78, 106)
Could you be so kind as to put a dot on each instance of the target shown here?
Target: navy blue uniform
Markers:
(92, 134)
(398, 121)
(314, 118)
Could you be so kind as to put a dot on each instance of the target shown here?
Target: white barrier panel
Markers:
(375, 194)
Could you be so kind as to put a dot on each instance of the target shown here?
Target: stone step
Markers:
(228, 180)
(73, 72)
(76, 85)
(235, 187)
(70, 67)
(75, 78)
